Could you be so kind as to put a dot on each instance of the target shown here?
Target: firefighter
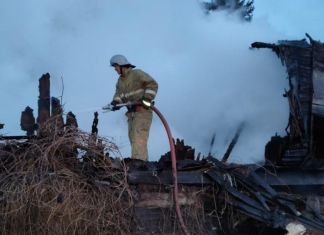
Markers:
(134, 86)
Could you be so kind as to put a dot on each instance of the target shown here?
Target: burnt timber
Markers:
(302, 146)
(255, 191)
(44, 99)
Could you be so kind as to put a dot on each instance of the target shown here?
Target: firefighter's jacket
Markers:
(134, 86)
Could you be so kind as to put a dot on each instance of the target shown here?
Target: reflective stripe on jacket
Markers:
(134, 86)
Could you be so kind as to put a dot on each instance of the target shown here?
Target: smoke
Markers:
(209, 79)
(293, 18)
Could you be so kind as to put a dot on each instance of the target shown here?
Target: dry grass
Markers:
(63, 184)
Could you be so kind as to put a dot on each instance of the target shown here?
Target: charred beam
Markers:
(285, 206)
(57, 112)
(94, 128)
(211, 144)
(71, 120)
(165, 178)
(272, 46)
(44, 99)
(15, 137)
(233, 142)
(310, 38)
(27, 121)
(263, 45)
(56, 107)
(182, 152)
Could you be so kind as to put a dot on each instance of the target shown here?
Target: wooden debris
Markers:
(71, 120)
(27, 121)
(233, 142)
(44, 99)
(57, 113)
(183, 152)
(14, 137)
(94, 128)
(305, 130)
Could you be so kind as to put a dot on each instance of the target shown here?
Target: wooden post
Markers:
(57, 112)
(71, 120)
(94, 128)
(44, 99)
(27, 121)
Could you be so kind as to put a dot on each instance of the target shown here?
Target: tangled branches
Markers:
(62, 184)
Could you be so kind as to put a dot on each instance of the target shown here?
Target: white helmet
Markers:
(120, 60)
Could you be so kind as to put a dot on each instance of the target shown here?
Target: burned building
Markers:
(302, 146)
(64, 181)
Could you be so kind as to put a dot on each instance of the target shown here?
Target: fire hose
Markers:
(174, 163)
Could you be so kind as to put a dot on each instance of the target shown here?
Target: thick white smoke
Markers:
(210, 81)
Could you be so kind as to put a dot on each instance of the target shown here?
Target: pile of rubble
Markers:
(66, 183)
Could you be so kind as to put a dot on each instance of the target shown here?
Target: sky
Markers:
(209, 79)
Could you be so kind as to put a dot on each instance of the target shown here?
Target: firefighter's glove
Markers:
(146, 103)
(112, 106)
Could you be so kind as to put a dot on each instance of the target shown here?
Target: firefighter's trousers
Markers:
(139, 124)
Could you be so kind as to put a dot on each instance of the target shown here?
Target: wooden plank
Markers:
(165, 178)
(16, 137)
(163, 200)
